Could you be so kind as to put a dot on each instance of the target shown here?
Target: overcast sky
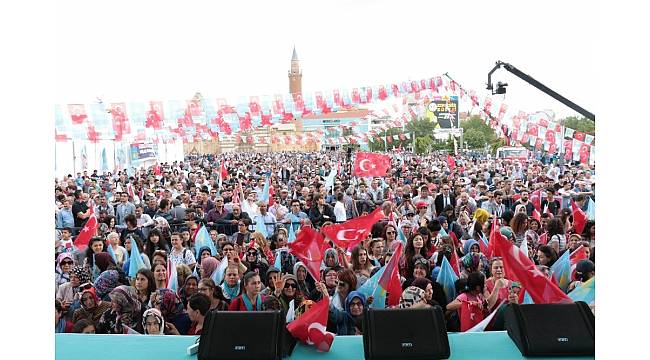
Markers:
(144, 50)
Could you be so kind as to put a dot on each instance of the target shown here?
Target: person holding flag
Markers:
(471, 303)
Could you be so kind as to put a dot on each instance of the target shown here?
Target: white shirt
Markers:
(339, 211)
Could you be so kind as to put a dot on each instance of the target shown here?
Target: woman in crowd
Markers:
(171, 308)
(414, 246)
(180, 254)
(155, 241)
(589, 233)
(125, 311)
(190, 287)
(83, 326)
(153, 322)
(474, 262)
(376, 251)
(145, 285)
(556, 238)
(68, 293)
(263, 246)
(389, 234)
(360, 264)
(208, 266)
(113, 244)
(346, 321)
(214, 293)
(306, 283)
(534, 225)
(61, 325)
(95, 246)
(286, 290)
(160, 275)
(413, 298)
(197, 307)
(585, 270)
(471, 303)
(347, 282)
(546, 255)
(330, 277)
(250, 299)
(128, 243)
(519, 225)
(64, 263)
(331, 258)
(432, 297)
(92, 308)
(254, 262)
(231, 285)
(421, 271)
(497, 287)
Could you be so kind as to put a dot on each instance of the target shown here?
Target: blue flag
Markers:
(265, 192)
(372, 288)
(278, 260)
(220, 271)
(562, 271)
(203, 239)
(260, 226)
(292, 234)
(401, 235)
(527, 298)
(136, 262)
(585, 292)
(447, 279)
(112, 253)
(96, 271)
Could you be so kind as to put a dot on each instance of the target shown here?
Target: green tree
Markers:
(581, 124)
(477, 133)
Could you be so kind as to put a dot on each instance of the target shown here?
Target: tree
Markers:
(477, 133)
(581, 124)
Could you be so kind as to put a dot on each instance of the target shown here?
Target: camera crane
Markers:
(501, 88)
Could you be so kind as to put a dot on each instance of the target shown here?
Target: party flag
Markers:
(87, 232)
(389, 280)
(278, 260)
(136, 260)
(562, 271)
(401, 235)
(524, 247)
(579, 218)
(292, 234)
(220, 271)
(112, 253)
(260, 226)
(358, 228)
(309, 247)
(447, 279)
(203, 239)
(264, 197)
(585, 292)
(371, 288)
(329, 179)
(527, 298)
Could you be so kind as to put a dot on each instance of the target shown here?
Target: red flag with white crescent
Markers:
(352, 232)
(87, 232)
(310, 327)
(309, 247)
(371, 164)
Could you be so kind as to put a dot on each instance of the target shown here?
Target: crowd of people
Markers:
(437, 209)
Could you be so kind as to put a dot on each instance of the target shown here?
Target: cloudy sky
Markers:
(145, 50)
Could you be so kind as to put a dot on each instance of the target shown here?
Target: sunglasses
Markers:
(251, 253)
(67, 263)
(290, 285)
(390, 233)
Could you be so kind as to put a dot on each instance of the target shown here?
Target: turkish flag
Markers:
(371, 164)
(389, 280)
(254, 105)
(579, 218)
(309, 247)
(93, 135)
(536, 215)
(454, 262)
(579, 136)
(578, 254)
(266, 119)
(532, 129)
(89, 230)
(584, 153)
(519, 266)
(224, 171)
(536, 198)
(358, 228)
(382, 93)
(451, 162)
(310, 327)
(494, 233)
(155, 115)
(550, 136)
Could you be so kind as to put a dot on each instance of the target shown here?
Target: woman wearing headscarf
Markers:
(109, 278)
(92, 308)
(64, 264)
(474, 262)
(61, 325)
(153, 322)
(413, 297)
(331, 259)
(433, 292)
(171, 307)
(288, 292)
(254, 262)
(69, 292)
(348, 321)
(306, 283)
(208, 266)
(125, 311)
(190, 287)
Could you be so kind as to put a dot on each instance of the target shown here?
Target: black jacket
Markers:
(317, 219)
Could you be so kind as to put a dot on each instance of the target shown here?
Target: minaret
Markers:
(295, 75)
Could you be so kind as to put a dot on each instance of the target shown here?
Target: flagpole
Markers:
(74, 159)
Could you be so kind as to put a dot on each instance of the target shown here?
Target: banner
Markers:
(443, 111)
(143, 151)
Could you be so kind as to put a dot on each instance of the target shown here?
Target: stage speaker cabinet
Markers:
(551, 329)
(242, 335)
(405, 334)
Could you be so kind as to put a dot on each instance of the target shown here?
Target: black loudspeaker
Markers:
(242, 335)
(551, 329)
(405, 334)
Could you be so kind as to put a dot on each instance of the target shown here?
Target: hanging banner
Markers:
(443, 111)
(143, 151)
